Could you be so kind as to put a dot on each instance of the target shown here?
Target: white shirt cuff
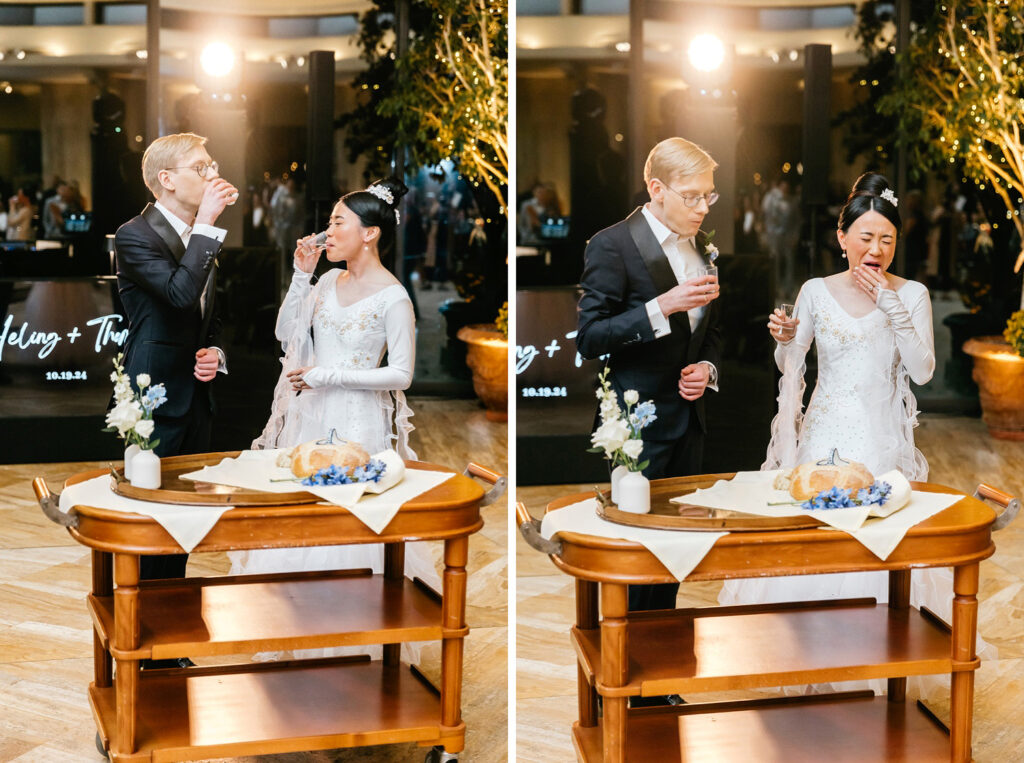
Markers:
(658, 320)
(222, 361)
(210, 231)
(712, 375)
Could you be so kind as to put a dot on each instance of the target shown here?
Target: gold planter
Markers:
(487, 358)
(999, 374)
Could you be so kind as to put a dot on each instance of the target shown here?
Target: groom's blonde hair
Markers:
(677, 158)
(164, 153)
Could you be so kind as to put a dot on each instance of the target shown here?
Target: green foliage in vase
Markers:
(502, 320)
(1014, 333)
(446, 97)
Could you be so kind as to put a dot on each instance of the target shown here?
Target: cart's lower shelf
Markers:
(804, 730)
(215, 616)
(719, 649)
(313, 705)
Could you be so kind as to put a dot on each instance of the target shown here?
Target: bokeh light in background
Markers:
(217, 59)
(706, 52)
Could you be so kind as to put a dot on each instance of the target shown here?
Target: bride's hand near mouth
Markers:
(870, 280)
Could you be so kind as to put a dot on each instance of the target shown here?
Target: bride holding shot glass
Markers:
(349, 343)
(873, 334)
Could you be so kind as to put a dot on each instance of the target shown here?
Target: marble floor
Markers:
(46, 633)
(960, 454)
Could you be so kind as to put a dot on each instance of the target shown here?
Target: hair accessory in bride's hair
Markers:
(381, 193)
(398, 217)
(890, 197)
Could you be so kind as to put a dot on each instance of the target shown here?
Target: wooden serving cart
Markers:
(686, 651)
(272, 707)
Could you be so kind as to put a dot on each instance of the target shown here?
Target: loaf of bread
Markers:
(807, 480)
(310, 457)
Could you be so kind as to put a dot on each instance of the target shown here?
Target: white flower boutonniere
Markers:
(710, 250)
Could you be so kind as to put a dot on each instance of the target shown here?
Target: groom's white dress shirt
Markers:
(686, 263)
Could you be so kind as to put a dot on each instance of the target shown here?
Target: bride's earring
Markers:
(844, 254)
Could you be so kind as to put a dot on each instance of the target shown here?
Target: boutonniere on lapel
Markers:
(710, 250)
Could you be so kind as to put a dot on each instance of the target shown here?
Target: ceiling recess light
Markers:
(622, 47)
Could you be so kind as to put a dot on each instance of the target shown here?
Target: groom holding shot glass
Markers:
(166, 278)
(649, 287)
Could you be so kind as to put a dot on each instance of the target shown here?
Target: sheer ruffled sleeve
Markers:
(912, 325)
(790, 358)
(294, 320)
(400, 328)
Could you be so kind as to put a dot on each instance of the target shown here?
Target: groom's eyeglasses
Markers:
(693, 199)
(201, 169)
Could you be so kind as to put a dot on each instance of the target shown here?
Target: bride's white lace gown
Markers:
(863, 406)
(352, 393)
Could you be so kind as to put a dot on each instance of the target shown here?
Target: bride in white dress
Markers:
(873, 332)
(335, 335)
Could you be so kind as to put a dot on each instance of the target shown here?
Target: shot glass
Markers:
(710, 270)
(317, 243)
(788, 310)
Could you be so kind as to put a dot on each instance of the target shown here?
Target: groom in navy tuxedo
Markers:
(647, 306)
(166, 269)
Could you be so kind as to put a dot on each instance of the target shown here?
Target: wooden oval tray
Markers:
(665, 515)
(173, 489)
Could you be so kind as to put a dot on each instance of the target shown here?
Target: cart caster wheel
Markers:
(438, 755)
(101, 748)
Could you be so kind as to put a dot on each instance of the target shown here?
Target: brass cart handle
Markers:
(50, 504)
(499, 482)
(529, 528)
(1011, 505)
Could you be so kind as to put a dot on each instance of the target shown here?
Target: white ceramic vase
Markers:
(129, 453)
(634, 493)
(146, 470)
(617, 473)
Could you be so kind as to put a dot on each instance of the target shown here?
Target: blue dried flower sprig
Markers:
(840, 498)
(336, 475)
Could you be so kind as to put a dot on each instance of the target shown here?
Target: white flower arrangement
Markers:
(132, 414)
(618, 436)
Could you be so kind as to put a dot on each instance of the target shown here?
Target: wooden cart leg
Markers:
(899, 598)
(126, 636)
(102, 585)
(586, 619)
(394, 569)
(615, 669)
(453, 619)
(965, 626)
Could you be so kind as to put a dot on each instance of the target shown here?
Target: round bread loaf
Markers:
(807, 480)
(310, 457)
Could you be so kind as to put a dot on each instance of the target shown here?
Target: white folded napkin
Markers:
(373, 503)
(186, 524)
(679, 551)
(751, 493)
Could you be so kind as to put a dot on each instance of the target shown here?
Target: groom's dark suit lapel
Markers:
(165, 231)
(656, 262)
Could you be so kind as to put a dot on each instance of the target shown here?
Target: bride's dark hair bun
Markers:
(866, 196)
(376, 206)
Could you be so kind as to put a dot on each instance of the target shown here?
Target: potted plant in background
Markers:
(487, 358)
(999, 372)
